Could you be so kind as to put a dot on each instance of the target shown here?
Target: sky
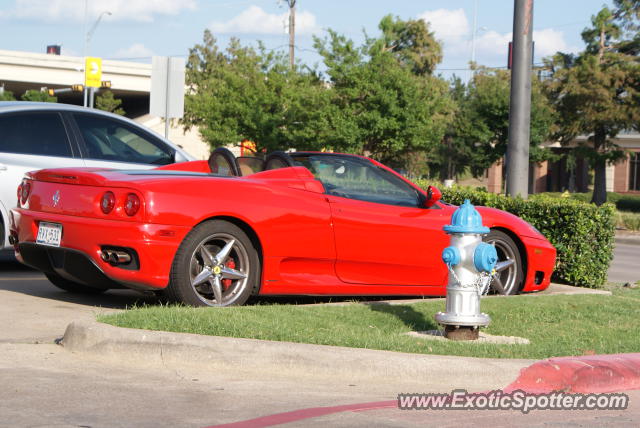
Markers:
(136, 30)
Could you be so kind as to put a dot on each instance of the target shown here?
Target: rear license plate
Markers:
(49, 234)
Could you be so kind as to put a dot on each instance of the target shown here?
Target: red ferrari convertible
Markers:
(211, 233)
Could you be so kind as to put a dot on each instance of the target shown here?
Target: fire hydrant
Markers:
(471, 264)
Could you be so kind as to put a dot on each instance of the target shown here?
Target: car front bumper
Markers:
(541, 259)
(79, 256)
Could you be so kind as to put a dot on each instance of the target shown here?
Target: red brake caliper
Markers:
(226, 283)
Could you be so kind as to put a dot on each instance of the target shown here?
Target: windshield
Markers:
(355, 178)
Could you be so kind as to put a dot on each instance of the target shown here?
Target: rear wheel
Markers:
(70, 286)
(509, 269)
(216, 265)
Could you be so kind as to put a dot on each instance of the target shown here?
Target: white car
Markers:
(50, 135)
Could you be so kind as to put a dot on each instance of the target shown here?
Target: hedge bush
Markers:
(582, 233)
(623, 202)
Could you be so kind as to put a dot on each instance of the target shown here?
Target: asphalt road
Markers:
(42, 384)
(626, 263)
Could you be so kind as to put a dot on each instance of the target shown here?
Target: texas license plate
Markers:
(49, 234)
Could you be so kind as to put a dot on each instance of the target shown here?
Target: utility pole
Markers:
(520, 101)
(292, 31)
(475, 30)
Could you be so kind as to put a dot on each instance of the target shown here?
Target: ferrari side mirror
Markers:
(433, 196)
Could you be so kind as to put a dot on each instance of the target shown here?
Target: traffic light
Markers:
(105, 84)
(77, 88)
(51, 92)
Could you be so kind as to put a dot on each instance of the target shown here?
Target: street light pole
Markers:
(520, 100)
(473, 36)
(87, 41)
(292, 32)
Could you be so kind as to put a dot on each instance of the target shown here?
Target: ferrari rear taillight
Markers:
(132, 204)
(25, 189)
(108, 202)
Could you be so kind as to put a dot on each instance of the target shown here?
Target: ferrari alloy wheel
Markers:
(509, 271)
(216, 265)
(70, 286)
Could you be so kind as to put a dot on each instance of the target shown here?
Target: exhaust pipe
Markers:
(115, 257)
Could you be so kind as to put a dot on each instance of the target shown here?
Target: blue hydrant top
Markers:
(466, 219)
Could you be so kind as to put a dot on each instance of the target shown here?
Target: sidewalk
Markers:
(353, 365)
(596, 373)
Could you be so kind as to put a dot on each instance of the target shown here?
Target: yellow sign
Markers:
(93, 72)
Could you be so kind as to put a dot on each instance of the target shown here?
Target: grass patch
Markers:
(628, 220)
(555, 325)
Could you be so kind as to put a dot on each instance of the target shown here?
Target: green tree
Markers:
(478, 135)
(108, 102)
(410, 42)
(6, 95)
(39, 96)
(245, 93)
(382, 106)
(453, 153)
(596, 93)
(379, 98)
(627, 16)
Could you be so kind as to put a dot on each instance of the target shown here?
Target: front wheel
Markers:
(509, 269)
(216, 265)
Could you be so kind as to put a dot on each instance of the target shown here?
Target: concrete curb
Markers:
(564, 289)
(592, 374)
(587, 374)
(214, 352)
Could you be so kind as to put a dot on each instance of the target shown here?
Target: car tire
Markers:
(216, 265)
(70, 286)
(509, 269)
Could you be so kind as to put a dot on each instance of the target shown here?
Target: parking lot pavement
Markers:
(624, 267)
(42, 384)
(38, 312)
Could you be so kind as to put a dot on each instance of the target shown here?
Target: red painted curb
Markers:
(313, 412)
(587, 374)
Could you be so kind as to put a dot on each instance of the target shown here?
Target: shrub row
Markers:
(582, 233)
(623, 202)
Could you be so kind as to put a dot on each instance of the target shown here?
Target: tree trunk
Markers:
(600, 169)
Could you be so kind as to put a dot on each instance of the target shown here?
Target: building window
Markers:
(634, 171)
